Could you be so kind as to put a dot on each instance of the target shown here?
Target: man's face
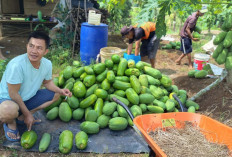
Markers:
(201, 14)
(36, 49)
(129, 35)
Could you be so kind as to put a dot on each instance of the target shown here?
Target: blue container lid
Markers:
(87, 24)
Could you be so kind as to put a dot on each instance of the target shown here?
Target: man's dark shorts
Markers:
(149, 47)
(42, 96)
(186, 45)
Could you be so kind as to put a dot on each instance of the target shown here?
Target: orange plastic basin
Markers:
(216, 131)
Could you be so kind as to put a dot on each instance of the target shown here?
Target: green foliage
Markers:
(140, 3)
(64, 37)
(42, 27)
(135, 11)
(119, 11)
(167, 6)
(160, 24)
(3, 64)
(59, 56)
(183, 9)
(148, 11)
(221, 16)
(210, 17)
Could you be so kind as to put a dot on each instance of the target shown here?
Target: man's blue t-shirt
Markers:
(20, 71)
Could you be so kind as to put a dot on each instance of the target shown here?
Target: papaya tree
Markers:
(149, 11)
(166, 6)
(210, 17)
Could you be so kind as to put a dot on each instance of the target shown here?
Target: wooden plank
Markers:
(31, 8)
(0, 6)
(0, 30)
(10, 7)
(35, 5)
(34, 12)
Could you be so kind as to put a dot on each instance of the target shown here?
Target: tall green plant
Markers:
(64, 37)
(59, 55)
(3, 64)
(165, 7)
(210, 17)
(119, 11)
(149, 11)
(221, 16)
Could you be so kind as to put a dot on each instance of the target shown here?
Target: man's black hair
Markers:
(40, 35)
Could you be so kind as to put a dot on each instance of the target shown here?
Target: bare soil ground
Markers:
(216, 103)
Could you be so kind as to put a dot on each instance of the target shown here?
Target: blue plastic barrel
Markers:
(92, 39)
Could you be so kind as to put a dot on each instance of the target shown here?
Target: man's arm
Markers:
(137, 47)
(14, 95)
(51, 86)
(129, 49)
(190, 34)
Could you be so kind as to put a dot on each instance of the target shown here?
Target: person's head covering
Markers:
(125, 30)
(203, 11)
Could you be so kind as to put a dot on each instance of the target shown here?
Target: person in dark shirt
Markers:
(186, 36)
(145, 34)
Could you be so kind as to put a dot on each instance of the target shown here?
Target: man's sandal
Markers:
(6, 129)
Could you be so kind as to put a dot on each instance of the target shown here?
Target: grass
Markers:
(14, 153)
(164, 52)
(197, 45)
(183, 69)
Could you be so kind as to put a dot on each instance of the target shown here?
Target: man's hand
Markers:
(137, 47)
(51, 86)
(29, 120)
(66, 92)
(129, 49)
(195, 39)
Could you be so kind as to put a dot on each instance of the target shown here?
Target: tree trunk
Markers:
(229, 78)
(209, 29)
(174, 22)
(180, 26)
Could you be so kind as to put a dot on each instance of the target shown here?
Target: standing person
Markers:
(20, 93)
(145, 34)
(186, 36)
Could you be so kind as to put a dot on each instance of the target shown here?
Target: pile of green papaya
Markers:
(223, 52)
(29, 138)
(143, 89)
(197, 31)
(172, 45)
(196, 35)
(199, 74)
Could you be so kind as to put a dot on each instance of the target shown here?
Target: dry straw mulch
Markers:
(187, 142)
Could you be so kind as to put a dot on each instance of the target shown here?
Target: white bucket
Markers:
(200, 60)
(94, 18)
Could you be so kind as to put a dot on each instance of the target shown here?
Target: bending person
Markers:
(145, 34)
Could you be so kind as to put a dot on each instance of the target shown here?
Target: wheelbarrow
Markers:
(220, 133)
